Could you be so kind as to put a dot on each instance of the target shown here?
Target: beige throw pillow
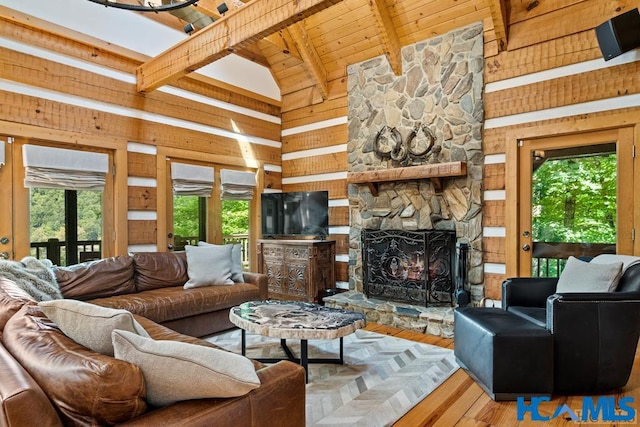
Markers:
(626, 260)
(175, 371)
(236, 261)
(88, 324)
(208, 265)
(580, 276)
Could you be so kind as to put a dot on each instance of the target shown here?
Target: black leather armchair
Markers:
(595, 335)
(541, 342)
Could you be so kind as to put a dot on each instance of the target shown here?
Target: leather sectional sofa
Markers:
(151, 284)
(47, 379)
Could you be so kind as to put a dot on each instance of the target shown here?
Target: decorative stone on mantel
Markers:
(442, 89)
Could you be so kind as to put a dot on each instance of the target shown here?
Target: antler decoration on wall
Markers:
(402, 151)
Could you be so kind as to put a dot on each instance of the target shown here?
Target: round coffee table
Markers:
(295, 320)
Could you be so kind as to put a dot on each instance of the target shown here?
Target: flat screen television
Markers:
(295, 214)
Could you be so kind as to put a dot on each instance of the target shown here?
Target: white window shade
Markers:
(237, 185)
(48, 167)
(192, 180)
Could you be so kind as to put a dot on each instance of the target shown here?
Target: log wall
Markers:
(58, 84)
(550, 78)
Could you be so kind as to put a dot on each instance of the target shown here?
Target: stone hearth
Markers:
(424, 320)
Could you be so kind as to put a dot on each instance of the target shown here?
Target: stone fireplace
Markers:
(437, 193)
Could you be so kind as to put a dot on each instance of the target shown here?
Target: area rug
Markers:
(383, 377)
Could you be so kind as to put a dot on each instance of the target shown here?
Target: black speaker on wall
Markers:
(620, 34)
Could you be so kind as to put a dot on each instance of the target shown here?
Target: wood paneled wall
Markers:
(552, 50)
(549, 77)
(88, 89)
(315, 158)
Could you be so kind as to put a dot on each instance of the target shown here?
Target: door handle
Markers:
(4, 255)
(526, 247)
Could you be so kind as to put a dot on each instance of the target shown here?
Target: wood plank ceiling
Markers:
(306, 56)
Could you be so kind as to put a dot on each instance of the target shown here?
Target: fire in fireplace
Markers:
(414, 267)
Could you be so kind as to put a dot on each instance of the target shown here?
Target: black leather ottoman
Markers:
(505, 354)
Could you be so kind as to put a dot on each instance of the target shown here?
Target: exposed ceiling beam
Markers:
(310, 57)
(388, 34)
(208, 7)
(278, 39)
(499, 18)
(205, 7)
(257, 19)
(253, 53)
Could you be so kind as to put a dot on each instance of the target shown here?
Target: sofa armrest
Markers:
(258, 279)
(595, 339)
(595, 297)
(22, 401)
(278, 402)
(527, 291)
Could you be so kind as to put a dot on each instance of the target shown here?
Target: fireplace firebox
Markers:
(413, 267)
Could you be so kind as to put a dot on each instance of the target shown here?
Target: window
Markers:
(189, 220)
(237, 192)
(191, 187)
(202, 211)
(65, 225)
(235, 226)
(65, 202)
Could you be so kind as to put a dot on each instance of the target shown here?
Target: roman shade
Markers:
(192, 180)
(60, 168)
(237, 185)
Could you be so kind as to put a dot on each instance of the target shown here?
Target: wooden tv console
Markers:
(297, 269)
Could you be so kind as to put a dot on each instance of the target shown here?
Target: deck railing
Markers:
(56, 250)
(243, 239)
(549, 258)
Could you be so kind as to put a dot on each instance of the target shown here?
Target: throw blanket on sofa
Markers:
(34, 276)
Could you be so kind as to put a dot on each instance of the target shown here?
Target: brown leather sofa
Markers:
(150, 284)
(47, 379)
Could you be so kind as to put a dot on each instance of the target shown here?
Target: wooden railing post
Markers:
(53, 251)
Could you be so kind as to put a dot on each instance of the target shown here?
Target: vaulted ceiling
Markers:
(307, 44)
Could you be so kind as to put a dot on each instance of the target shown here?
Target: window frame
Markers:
(214, 203)
(21, 199)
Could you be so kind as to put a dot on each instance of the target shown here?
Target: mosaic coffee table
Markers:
(295, 320)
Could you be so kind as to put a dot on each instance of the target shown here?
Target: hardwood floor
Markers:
(459, 401)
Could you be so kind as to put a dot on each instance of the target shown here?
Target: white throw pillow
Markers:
(175, 371)
(208, 265)
(236, 261)
(580, 276)
(626, 260)
(90, 325)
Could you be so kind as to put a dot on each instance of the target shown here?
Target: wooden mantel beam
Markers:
(388, 34)
(257, 19)
(499, 18)
(429, 171)
(310, 57)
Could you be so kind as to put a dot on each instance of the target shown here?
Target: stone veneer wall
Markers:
(441, 86)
